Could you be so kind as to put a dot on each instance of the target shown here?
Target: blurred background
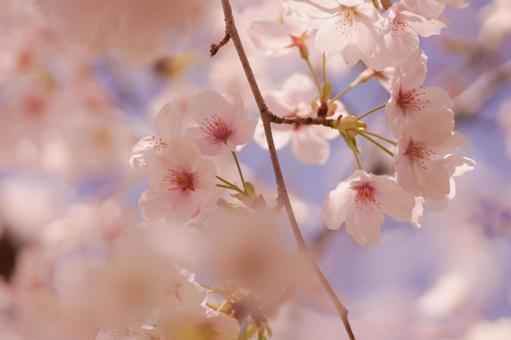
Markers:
(70, 114)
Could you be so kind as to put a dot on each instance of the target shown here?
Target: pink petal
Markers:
(394, 201)
(363, 223)
(337, 204)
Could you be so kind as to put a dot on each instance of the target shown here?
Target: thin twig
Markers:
(281, 186)
(216, 47)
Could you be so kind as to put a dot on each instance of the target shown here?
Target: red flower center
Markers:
(216, 127)
(180, 180)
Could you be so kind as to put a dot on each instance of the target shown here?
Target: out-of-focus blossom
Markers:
(361, 202)
(246, 249)
(310, 144)
(139, 29)
(505, 120)
(495, 23)
(497, 330)
(276, 38)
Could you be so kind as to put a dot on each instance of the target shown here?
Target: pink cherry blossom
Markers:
(168, 119)
(495, 23)
(409, 99)
(181, 183)
(276, 38)
(310, 144)
(222, 125)
(404, 29)
(361, 202)
(139, 29)
(424, 161)
(352, 27)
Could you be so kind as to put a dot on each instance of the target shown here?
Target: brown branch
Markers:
(232, 31)
(216, 47)
(303, 121)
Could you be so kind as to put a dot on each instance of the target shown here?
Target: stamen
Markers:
(365, 195)
(216, 127)
(412, 100)
(419, 153)
(180, 180)
(345, 19)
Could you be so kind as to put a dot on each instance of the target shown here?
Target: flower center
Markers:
(412, 100)
(399, 24)
(365, 194)
(347, 14)
(180, 180)
(216, 127)
(419, 153)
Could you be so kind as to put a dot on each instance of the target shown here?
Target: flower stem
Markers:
(324, 68)
(239, 170)
(378, 144)
(390, 141)
(353, 149)
(343, 92)
(313, 73)
(281, 184)
(228, 185)
(376, 109)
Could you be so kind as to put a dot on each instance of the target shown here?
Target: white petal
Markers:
(207, 103)
(363, 223)
(308, 147)
(433, 179)
(243, 133)
(299, 88)
(333, 35)
(337, 204)
(169, 120)
(394, 201)
(269, 36)
(281, 135)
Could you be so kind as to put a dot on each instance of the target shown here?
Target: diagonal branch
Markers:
(232, 32)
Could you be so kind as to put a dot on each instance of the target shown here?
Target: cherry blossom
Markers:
(409, 100)
(169, 121)
(181, 183)
(276, 38)
(246, 249)
(222, 125)
(361, 202)
(425, 163)
(137, 29)
(404, 30)
(495, 25)
(352, 27)
(310, 144)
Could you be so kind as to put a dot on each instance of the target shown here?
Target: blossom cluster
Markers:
(208, 259)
